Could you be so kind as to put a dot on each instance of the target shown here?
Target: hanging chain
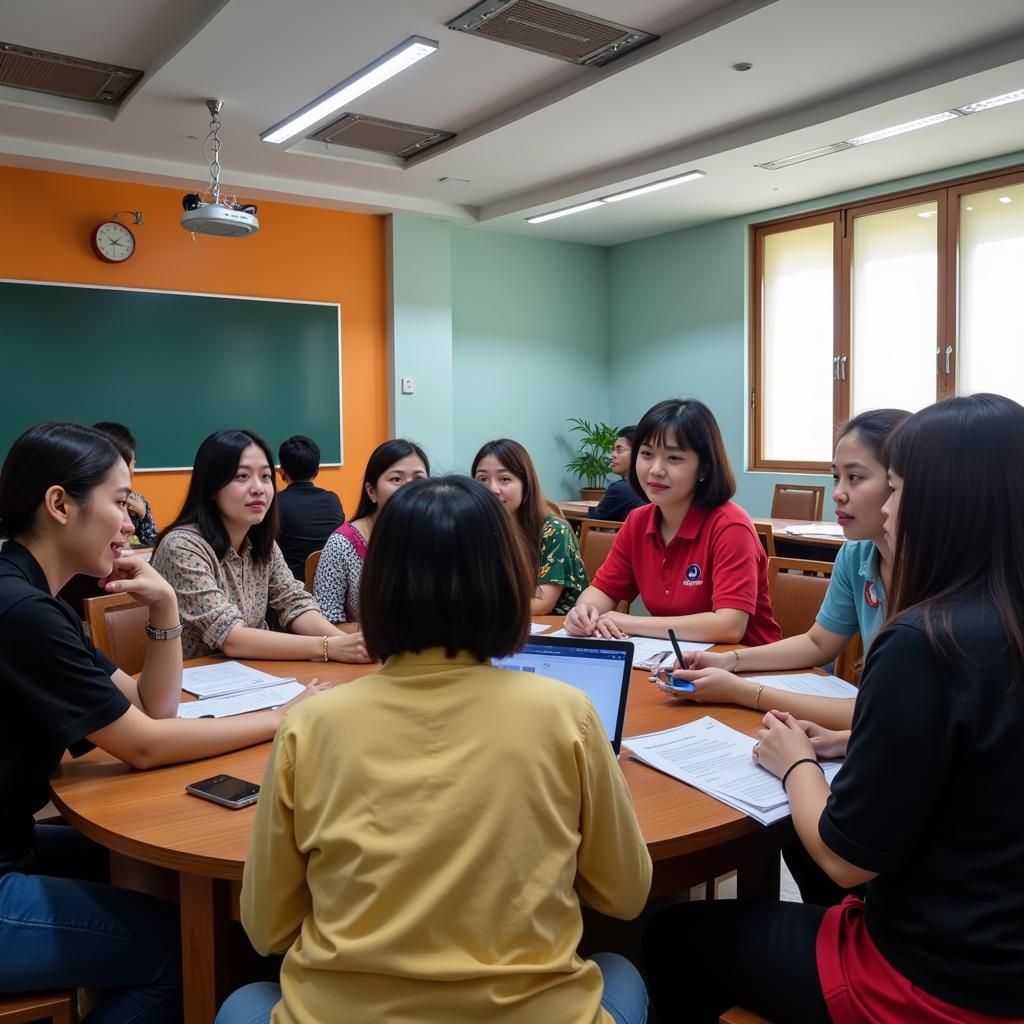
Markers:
(213, 144)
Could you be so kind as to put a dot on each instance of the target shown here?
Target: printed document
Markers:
(649, 651)
(224, 677)
(240, 703)
(716, 759)
(809, 683)
(815, 530)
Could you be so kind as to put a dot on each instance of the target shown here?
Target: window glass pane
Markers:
(894, 309)
(992, 292)
(797, 345)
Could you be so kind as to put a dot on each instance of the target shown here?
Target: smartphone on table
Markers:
(225, 790)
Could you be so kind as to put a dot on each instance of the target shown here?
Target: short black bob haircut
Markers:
(445, 569)
(215, 467)
(300, 457)
(121, 436)
(693, 427)
(627, 434)
(49, 455)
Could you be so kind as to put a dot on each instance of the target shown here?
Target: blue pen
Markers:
(677, 684)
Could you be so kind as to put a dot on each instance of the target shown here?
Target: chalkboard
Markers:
(171, 366)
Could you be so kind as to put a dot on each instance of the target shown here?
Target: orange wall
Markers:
(298, 253)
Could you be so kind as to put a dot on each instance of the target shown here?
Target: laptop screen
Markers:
(601, 669)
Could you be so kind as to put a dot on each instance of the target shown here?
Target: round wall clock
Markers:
(113, 242)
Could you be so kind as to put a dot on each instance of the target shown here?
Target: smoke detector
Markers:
(214, 212)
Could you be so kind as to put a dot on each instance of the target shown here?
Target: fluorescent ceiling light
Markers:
(900, 129)
(995, 101)
(1005, 199)
(413, 50)
(564, 213)
(809, 154)
(644, 189)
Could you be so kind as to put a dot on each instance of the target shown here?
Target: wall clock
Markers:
(113, 242)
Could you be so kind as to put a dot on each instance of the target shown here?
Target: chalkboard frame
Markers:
(332, 339)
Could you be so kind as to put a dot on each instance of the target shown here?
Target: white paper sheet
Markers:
(815, 530)
(225, 677)
(717, 760)
(240, 703)
(538, 627)
(809, 683)
(649, 650)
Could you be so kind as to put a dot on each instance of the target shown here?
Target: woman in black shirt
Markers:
(63, 510)
(928, 808)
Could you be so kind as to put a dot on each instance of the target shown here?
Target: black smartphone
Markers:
(225, 790)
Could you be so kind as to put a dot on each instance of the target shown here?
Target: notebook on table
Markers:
(600, 668)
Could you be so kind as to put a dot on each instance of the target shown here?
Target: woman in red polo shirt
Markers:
(692, 555)
(927, 810)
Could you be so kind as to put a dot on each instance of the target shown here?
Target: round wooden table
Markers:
(149, 817)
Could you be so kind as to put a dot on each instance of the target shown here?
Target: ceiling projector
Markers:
(218, 219)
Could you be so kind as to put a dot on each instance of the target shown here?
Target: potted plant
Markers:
(590, 463)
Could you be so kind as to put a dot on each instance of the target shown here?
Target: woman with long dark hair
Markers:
(691, 554)
(64, 492)
(422, 844)
(506, 469)
(221, 556)
(927, 810)
(336, 586)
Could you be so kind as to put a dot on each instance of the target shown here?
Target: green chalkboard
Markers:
(173, 367)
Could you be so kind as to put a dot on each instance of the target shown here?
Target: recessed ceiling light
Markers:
(901, 129)
(413, 50)
(1005, 199)
(743, 65)
(995, 101)
(568, 211)
(809, 154)
(968, 208)
(655, 187)
(928, 213)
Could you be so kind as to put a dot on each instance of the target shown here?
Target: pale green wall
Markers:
(678, 324)
(420, 334)
(530, 344)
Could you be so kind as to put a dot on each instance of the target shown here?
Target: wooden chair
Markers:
(848, 665)
(596, 539)
(117, 625)
(767, 537)
(797, 587)
(58, 1007)
(798, 501)
(312, 561)
(553, 508)
(737, 1015)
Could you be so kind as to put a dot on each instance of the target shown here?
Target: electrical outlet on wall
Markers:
(408, 386)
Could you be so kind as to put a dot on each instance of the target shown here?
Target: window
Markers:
(897, 302)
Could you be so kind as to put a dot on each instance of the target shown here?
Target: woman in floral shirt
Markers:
(505, 467)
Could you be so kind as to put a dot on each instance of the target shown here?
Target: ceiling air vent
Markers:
(60, 75)
(551, 30)
(380, 136)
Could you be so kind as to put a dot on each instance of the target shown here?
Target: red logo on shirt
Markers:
(869, 594)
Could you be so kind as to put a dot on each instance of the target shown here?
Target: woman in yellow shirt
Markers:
(424, 838)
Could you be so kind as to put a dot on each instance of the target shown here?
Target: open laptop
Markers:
(600, 668)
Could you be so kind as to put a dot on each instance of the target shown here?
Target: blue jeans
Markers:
(61, 927)
(625, 996)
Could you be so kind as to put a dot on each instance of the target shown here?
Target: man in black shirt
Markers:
(619, 499)
(308, 514)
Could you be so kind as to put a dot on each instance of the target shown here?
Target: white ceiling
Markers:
(533, 133)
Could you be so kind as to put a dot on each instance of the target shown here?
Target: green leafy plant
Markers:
(590, 463)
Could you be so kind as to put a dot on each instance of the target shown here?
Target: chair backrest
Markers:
(797, 587)
(848, 665)
(596, 539)
(767, 537)
(737, 1015)
(312, 561)
(22, 1007)
(553, 508)
(117, 625)
(798, 501)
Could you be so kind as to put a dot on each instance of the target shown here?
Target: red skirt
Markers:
(861, 987)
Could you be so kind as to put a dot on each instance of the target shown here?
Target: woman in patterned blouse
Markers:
(505, 467)
(336, 585)
(221, 557)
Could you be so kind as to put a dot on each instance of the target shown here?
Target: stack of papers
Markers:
(815, 530)
(649, 651)
(229, 688)
(717, 760)
(810, 683)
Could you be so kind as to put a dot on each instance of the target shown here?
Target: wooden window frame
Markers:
(946, 195)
